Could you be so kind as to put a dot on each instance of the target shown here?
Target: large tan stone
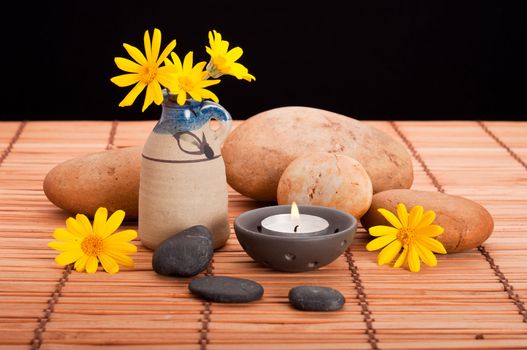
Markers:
(106, 179)
(257, 152)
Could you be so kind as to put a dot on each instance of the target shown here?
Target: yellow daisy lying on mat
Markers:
(86, 245)
(413, 232)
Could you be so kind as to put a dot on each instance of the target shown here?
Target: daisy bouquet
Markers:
(154, 71)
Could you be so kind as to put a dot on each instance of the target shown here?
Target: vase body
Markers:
(183, 180)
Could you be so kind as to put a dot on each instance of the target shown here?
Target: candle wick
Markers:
(296, 228)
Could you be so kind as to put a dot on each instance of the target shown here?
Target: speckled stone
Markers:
(313, 298)
(226, 289)
(184, 254)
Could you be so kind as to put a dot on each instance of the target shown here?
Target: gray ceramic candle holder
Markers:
(292, 253)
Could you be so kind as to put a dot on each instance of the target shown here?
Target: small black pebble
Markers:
(313, 298)
(226, 289)
(184, 254)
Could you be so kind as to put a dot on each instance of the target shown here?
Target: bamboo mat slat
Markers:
(463, 303)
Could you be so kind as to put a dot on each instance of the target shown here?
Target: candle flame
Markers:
(295, 213)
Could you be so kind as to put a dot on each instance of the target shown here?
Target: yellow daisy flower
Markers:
(223, 60)
(413, 232)
(189, 79)
(86, 245)
(146, 72)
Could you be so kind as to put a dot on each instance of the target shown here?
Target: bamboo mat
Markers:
(471, 300)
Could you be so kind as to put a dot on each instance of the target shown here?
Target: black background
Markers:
(367, 59)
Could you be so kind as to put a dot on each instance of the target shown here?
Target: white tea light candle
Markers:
(294, 223)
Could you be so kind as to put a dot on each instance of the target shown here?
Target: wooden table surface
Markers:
(472, 300)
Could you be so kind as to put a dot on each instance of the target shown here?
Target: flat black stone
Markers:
(226, 289)
(312, 298)
(184, 254)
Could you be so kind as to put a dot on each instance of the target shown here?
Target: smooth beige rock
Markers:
(106, 179)
(467, 224)
(257, 152)
(329, 180)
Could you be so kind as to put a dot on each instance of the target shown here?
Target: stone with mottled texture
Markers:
(329, 180)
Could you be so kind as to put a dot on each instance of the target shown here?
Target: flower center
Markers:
(185, 83)
(92, 245)
(148, 74)
(406, 235)
(220, 64)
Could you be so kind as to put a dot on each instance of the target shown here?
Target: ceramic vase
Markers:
(183, 180)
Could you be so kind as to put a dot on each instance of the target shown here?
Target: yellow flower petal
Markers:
(63, 235)
(80, 265)
(209, 94)
(125, 79)
(91, 264)
(223, 45)
(157, 92)
(427, 219)
(389, 252)
(195, 95)
(198, 73)
(156, 44)
(108, 263)
(177, 61)
(234, 54)
(431, 244)
(413, 259)
(135, 54)
(382, 230)
(426, 255)
(123, 236)
(402, 258)
(113, 223)
(166, 52)
(99, 221)
(240, 72)
(132, 95)
(187, 62)
(402, 213)
(75, 228)
(415, 216)
(68, 257)
(210, 82)
(149, 97)
(121, 259)
(182, 98)
(380, 242)
(249, 77)
(64, 246)
(148, 46)
(430, 231)
(392, 219)
(84, 222)
(120, 246)
(127, 65)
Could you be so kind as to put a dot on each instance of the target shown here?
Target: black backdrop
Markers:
(367, 59)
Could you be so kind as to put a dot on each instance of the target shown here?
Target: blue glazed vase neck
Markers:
(190, 116)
